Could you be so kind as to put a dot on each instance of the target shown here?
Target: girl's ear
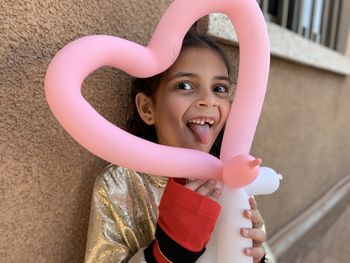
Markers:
(145, 108)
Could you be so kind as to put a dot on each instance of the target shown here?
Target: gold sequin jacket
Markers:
(123, 215)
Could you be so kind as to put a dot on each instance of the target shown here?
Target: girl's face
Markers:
(191, 104)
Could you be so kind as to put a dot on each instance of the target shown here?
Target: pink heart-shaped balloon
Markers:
(78, 59)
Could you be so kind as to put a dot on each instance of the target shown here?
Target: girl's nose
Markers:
(207, 99)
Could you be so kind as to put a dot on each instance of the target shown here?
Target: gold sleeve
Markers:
(123, 215)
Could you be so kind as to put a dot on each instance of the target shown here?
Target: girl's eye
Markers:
(184, 86)
(220, 89)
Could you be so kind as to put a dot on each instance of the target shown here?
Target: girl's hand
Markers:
(209, 188)
(256, 233)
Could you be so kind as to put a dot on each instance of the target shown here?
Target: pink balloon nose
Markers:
(241, 170)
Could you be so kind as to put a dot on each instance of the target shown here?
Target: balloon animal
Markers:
(236, 167)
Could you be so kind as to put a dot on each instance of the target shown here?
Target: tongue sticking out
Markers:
(201, 132)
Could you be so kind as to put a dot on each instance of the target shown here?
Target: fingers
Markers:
(194, 184)
(253, 203)
(201, 186)
(254, 214)
(257, 235)
(206, 188)
(256, 252)
(215, 194)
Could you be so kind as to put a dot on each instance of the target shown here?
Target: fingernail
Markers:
(245, 232)
(248, 251)
(249, 213)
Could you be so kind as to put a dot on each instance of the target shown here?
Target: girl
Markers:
(141, 218)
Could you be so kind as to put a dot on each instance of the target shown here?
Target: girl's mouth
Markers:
(200, 127)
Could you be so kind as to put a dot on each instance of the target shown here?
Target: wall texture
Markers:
(303, 133)
(46, 177)
(344, 30)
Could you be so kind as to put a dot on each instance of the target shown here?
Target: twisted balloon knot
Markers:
(241, 170)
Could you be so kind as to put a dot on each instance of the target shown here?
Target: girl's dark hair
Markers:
(148, 86)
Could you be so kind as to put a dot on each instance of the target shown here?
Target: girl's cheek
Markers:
(227, 109)
(224, 111)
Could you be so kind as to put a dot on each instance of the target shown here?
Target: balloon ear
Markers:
(145, 108)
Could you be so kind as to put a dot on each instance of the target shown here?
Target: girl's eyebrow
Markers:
(223, 78)
(182, 74)
(193, 75)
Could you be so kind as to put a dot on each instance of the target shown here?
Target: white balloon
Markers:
(266, 183)
(227, 230)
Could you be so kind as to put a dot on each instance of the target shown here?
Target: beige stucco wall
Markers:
(303, 133)
(343, 40)
(46, 177)
(334, 246)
